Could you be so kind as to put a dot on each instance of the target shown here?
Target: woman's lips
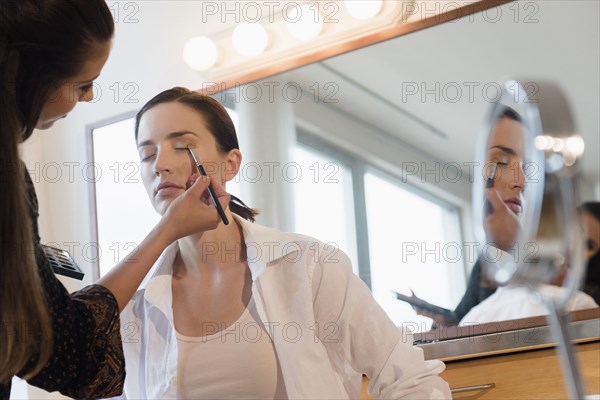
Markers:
(168, 191)
(514, 207)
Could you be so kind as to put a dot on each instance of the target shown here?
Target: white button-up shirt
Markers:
(326, 327)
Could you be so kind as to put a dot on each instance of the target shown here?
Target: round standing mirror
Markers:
(525, 202)
(525, 197)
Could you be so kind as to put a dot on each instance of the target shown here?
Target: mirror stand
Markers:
(559, 325)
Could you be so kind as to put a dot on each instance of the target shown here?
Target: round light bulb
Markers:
(569, 159)
(250, 39)
(200, 53)
(558, 145)
(541, 142)
(307, 25)
(549, 142)
(576, 145)
(363, 9)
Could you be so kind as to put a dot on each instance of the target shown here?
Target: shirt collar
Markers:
(158, 281)
(264, 246)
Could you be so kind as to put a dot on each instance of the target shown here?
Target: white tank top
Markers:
(238, 362)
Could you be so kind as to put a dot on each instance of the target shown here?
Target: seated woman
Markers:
(246, 311)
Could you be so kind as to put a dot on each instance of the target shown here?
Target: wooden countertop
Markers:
(532, 374)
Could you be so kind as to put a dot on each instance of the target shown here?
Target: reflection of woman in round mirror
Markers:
(589, 218)
(506, 180)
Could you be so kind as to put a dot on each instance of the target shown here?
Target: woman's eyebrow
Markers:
(505, 149)
(88, 80)
(172, 135)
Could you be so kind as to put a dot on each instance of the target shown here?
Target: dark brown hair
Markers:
(592, 208)
(43, 43)
(218, 123)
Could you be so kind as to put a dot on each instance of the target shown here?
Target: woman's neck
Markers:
(210, 251)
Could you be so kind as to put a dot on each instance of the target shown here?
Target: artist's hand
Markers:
(440, 320)
(502, 226)
(193, 211)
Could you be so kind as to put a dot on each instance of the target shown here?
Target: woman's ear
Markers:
(232, 165)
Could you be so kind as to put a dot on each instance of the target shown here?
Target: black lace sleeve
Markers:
(87, 359)
(476, 292)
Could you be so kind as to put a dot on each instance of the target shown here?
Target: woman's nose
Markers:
(519, 178)
(87, 95)
(164, 162)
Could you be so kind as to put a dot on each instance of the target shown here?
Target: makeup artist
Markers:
(247, 311)
(502, 222)
(50, 53)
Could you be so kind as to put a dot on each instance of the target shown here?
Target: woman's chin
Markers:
(42, 125)
(162, 206)
(48, 123)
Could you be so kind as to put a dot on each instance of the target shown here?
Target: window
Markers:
(410, 247)
(120, 194)
(323, 203)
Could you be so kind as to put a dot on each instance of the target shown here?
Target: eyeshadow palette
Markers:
(62, 263)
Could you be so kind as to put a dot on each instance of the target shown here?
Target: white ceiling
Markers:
(550, 40)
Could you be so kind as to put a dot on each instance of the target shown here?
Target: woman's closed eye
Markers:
(178, 148)
(145, 158)
(181, 145)
(86, 88)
